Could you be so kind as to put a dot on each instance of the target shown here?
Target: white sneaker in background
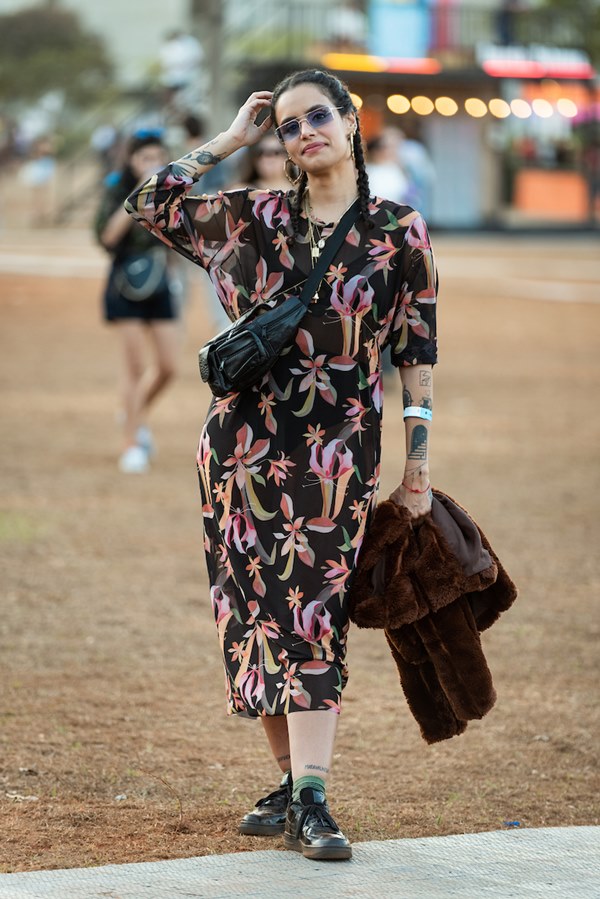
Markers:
(145, 439)
(134, 461)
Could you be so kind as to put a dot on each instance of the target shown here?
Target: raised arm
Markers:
(161, 203)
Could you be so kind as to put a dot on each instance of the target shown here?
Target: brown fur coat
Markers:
(433, 586)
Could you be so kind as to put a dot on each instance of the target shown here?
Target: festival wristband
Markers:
(418, 412)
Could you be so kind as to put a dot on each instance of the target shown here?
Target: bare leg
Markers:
(166, 338)
(312, 735)
(133, 341)
(276, 729)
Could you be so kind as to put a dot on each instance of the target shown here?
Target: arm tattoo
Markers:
(316, 768)
(406, 397)
(418, 443)
(425, 378)
(283, 758)
(426, 402)
(205, 157)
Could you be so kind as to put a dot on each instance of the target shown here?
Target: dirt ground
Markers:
(115, 745)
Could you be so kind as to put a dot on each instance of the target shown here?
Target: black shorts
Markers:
(160, 306)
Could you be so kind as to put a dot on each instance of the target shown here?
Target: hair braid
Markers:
(340, 97)
(362, 178)
(297, 206)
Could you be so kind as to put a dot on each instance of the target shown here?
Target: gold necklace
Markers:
(317, 244)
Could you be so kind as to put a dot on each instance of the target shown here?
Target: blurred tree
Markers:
(586, 15)
(43, 48)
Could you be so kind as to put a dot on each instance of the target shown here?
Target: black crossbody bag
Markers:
(245, 351)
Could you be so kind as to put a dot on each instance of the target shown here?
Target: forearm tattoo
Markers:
(406, 397)
(425, 378)
(418, 443)
(283, 758)
(204, 157)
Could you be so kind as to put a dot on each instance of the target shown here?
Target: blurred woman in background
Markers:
(141, 298)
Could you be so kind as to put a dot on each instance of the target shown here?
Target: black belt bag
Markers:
(244, 352)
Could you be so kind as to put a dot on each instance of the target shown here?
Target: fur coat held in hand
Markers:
(433, 585)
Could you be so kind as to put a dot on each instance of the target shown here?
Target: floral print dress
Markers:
(289, 469)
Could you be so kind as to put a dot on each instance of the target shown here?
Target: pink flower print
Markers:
(254, 568)
(358, 510)
(240, 530)
(281, 245)
(269, 206)
(279, 469)
(237, 651)
(313, 623)
(246, 456)
(356, 412)
(416, 235)
(219, 492)
(294, 598)
(267, 401)
(252, 687)
(266, 284)
(314, 435)
(332, 466)
(336, 273)
(295, 541)
(383, 252)
(221, 603)
(338, 573)
(228, 293)
(316, 377)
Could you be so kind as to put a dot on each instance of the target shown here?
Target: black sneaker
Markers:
(268, 816)
(310, 829)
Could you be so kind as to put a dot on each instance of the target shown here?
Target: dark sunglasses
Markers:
(316, 118)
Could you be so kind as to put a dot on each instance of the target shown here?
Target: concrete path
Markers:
(525, 864)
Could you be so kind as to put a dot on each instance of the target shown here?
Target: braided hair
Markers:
(339, 95)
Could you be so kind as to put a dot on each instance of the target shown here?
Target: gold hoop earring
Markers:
(286, 172)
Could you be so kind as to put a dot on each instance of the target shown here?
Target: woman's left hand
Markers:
(418, 504)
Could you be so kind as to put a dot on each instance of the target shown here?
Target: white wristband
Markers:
(418, 412)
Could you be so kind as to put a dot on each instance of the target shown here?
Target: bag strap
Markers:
(332, 245)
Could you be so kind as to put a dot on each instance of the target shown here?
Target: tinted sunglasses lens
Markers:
(289, 130)
(316, 119)
(319, 117)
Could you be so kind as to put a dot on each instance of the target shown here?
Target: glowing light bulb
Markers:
(446, 106)
(566, 107)
(542, 108)
(422, 105)
(398, 104)
(499, 108)
(357, 100)
(520, 108)
(476, 107)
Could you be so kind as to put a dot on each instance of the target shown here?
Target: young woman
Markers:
(140, 298)
(289, 469)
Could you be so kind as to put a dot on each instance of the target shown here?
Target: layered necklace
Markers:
(316, 238)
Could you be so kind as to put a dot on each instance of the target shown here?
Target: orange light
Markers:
(362, 62)
(354, 62)
(520, 108)
(398, 104)
(357, 100)
(422, 105)
(476, 107)
(499, 108)
(566, 107)
(446, 106)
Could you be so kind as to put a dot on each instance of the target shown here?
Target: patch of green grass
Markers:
(15, 527)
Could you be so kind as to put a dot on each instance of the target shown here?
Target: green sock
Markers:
(312, 781)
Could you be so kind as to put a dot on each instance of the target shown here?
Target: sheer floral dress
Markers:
(289, 469)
